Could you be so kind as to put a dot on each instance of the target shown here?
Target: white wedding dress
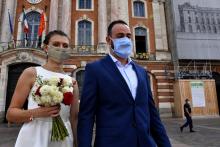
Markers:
(37, 133)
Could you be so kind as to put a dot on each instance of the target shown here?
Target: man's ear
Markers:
(108, 40)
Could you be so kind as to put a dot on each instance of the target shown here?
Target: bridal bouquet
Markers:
(51, 92)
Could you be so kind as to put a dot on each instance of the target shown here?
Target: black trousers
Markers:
(188, 122)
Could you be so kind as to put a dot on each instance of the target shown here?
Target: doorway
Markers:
(216, 76)
(80, 80)
(140, 40)
(14, 72)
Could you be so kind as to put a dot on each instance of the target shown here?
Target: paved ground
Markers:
(207, 133)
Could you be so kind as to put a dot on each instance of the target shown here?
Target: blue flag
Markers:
(10, 23)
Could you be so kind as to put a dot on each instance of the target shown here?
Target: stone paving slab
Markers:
(207, 133)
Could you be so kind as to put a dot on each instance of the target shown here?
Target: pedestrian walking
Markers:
(187, 113)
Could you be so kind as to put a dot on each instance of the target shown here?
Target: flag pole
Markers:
(11, 29)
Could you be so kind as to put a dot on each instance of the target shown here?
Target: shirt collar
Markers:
(115, 60)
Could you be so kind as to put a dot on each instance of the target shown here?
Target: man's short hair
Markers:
(112, 24)
(186, 100)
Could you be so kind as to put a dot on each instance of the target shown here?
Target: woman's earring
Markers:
(47, 55)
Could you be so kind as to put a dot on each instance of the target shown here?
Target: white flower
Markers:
(58, 98)
(46, 100)
(45, 90)
(50, 92)
(53, 90)
(53, 81)
(67, 89)
(67, 81)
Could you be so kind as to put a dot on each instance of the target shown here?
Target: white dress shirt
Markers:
(128, 74)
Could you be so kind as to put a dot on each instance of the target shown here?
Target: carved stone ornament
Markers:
(34, 1)
(24, 56)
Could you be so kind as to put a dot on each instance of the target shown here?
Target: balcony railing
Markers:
(84, 49)
(16, 44)
(142, 56)
(76, 49)
(34, 44)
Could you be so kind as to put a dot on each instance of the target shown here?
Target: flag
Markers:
(25, 23)
(10, 23)
(41, 29)
(41, 25)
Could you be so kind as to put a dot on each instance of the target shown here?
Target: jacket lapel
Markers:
(138, 73)
(113, 70)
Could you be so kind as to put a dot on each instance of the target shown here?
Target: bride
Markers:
(37, 127)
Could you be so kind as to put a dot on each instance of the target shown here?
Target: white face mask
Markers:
(122, 47)
(58, 54)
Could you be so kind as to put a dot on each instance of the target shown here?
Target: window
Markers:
(84, 33)
(215, 29)
(141, 40)
(213, 20)
(139, 9)
(33, 19)
(198, 28)
(219, 21)
(203, 29)
(203, 21)
(85, 4)
(207, 20)
(189, 19)
(190, 29)
(209, 29)
(197, 21)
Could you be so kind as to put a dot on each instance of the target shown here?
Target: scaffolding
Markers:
(194, 70)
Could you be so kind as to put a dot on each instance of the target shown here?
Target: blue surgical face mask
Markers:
(122, 47)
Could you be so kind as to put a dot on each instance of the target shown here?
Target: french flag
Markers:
(25, 23)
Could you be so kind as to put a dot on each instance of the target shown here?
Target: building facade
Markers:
(194, 42)
(199, 19)
(85, 22)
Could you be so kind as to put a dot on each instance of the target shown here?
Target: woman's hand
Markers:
(50, 111)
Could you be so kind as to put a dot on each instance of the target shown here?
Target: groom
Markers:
(117, 97)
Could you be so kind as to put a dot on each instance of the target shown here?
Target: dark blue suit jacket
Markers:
(120, 120)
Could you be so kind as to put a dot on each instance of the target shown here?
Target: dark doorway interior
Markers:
(216, 76)
(80, 79)
(14, 72)
(140, 43)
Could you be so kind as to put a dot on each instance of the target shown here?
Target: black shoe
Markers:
(181, 129)
(191, 131)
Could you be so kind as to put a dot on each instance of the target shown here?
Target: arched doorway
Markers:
(80, 79)
(14, 72)
(141, 40)
(216, 76)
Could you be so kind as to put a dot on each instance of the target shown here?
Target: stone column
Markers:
(102, 26)
(5, 35)
(66, 16)
(119, 10)
(1, 1)
(53, 15)
(160, 31)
